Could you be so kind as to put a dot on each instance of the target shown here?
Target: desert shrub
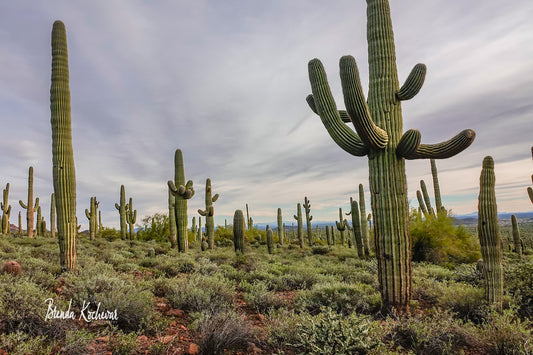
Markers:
(258, 296)
(123, 343)
(436, 272)
(200, 293)
(110, 234)
(20, 343)
(340, 296)
(468, 273)
(435, 239)
(519, 282)
(77, 341)
(320, 250)
(173, 266)
(154, 227)
(222, 332)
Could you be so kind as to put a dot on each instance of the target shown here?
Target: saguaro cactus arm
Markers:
(409, 143)
(186, 191)
(445, 149)
(345, 117)
(413, 83)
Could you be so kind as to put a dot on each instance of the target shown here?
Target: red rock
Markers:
(193, 349)
(11, 267)
(176, 313)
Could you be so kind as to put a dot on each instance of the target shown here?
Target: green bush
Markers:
(519, 282)
(155, 227)
(260, 298)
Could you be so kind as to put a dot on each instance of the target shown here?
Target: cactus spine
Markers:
(516, 236)
(53, 215)
(91, 216)
(238, 231)
(364, 226)
(62, 153)
(308, 218)
(208, 213)
(122, 208)
(356, 226)
(281, 227)
(489, 235)
(6, 211)
(298, 217)
(131, 218)
(30, 207)
(270, 240)
(182, 192)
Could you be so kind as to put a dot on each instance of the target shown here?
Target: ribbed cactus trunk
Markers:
(122, 208)
(238, 231)
(516, 236)
(182, 191)
(91, 216)
(270, 240)
(427, 200)
(199, 235)
(356, 226)
(62, 154)
(208, 213)
(298, 218)
(131, 218)
(379, 125)
(362, 219)
(6, 211)
(53, 215)
(249, 220)
(38, 224)
(489, 235)
(328, 237)
(30, 207)
(20, 223)
(281, 228)
(308, 219)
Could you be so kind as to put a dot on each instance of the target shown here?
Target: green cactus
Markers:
(238, 231)
(427, 200)
(332, 232)
(516, 236)
(281, 227)
(182, 192)
(30, 207)
(100, 226)
(328, 237)
(20, 223)
(91, 216)
(62, 154)
(529, 189)
(43, 226)
(6, 211)
(308, 218)
(53, 215)
(341, 226)
(38, 225)
(131, 218)
(270, 240)
(436, 188)
(422, 203)
(172, 220)
(356, 227)
(193, 225)
(364, 225)
(208, 213)
(489, 235)
(249, 220)
(379, 126)
(122, 208)
(298, 217)
(199, 235)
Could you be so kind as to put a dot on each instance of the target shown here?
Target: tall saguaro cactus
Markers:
(281, 231)
(131, 218)
(6, 211)
(92, 217)
(238, 231)
(30, 207)
(379, 125)
(341, 226)
(356, 226)
(181, 192)
(208, 213)
(308, 219)
(122, 208)
(298, 218)
(516, 236)
(62, 153)
(489, 235)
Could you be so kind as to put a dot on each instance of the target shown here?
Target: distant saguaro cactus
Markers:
(308, 218)
(249, 219)
(6, 211)
(436, 187)
(238, 231)
(379, 125)
(270, 240)
(516, 236)
(427, 200)
(30, 207)
(298, 217)
(131, 218)
(193, 225)
(281, 227)
(341, 226)
(182, 192)
(356, 226)
(62, 153)
(122, 208)
(38, 223)
(92, 216)
(489, 235)
(208, 213)
(364, 225)
(53, 215)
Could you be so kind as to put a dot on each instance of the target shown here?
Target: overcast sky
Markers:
(226, 81)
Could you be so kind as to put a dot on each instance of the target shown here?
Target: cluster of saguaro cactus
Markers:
(62, 153)
(270, 240)
(180, 192)
(379, 126)
(308, 219)
(6, 211)
(131, 218)
(489, 235)
(341, 225)
(281, 227)
(53, 215)
(30, 207)
(249, 220)
(356, 227)
(208, 213)
(238, 231)
(122, 208)
(298, 218)
(516, 236)
(91, 216)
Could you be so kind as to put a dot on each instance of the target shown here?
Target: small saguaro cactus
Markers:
(298, 218)
(131, 218)
(270, 240)
(332, 232)
(436, 188)
(29, 207)
(100, 226)
(20, 223)
(364, 225)
(249, 219)
(208, 213)
(62, 153)
(356, 227)
(308, 218)
(182, 192)
(122, 208)
(199, 232)
(379, 134)
(38, 225)
(281, 227)
(427, 200)
(6, 211)
(421, 203)
(341, 226)
(91, 216)
(489, 235)
(516, 236)
(53, 215)
(238, 231)
(328, 237)
(193, 225)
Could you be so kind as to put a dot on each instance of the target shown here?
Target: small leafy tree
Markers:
(155, 227)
